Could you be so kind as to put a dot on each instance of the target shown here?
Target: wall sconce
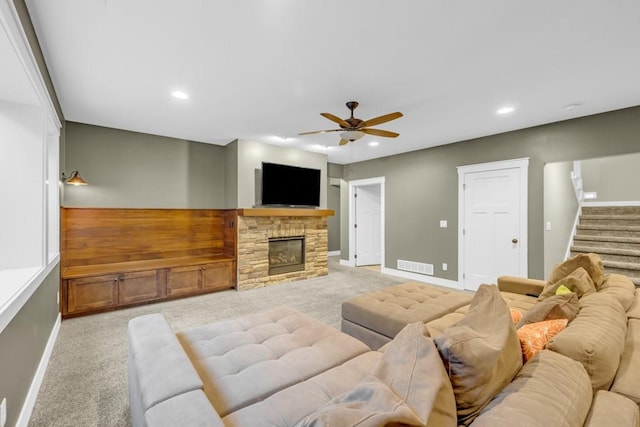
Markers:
(74, 179)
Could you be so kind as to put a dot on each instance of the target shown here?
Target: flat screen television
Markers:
(284, 185)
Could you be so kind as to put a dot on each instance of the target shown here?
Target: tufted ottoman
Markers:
(375, 318)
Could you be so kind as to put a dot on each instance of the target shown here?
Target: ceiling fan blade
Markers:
(380, 132)
(336, 119)
(343, 141)
(321, 131)
(381, 119)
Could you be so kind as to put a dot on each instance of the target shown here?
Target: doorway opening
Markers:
(366, 222)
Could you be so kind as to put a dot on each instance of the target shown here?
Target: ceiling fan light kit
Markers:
(353, 128)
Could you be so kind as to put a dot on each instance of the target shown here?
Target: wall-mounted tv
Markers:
(284, 185)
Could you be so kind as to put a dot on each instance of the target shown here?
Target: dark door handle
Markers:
(514, 241)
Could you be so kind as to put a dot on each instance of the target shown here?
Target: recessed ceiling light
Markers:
(374, 144)
(179, 94)
(505, 110)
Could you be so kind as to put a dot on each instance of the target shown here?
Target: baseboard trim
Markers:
(422, 278)
(333, 253)
(346, 263)
(32, 395)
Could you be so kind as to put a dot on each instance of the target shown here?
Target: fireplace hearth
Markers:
(286, 254)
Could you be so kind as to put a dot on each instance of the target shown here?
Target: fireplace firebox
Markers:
(286, 254)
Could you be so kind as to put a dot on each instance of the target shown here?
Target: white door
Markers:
(494, 242)
(368, 225)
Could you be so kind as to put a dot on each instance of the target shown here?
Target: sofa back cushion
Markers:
(550, 390)
(621, 288)
(595, 338)
(481, 352)
(592, 263)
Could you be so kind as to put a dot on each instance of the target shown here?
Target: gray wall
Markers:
(231, 175)
(137, 170)
(334, 173)
(250, 156)
(22, 344)
(615, 178)
(421, 187)
(560, 209)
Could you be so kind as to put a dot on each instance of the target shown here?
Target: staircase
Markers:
(614, 234)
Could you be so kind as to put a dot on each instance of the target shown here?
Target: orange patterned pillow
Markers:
(516, 315)
(534, 336)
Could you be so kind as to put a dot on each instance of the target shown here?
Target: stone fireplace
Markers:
(294, 239)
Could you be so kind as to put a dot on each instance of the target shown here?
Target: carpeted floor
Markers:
(86, 380)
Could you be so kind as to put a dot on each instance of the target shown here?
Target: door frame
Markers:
(352, 218)
(523, 165)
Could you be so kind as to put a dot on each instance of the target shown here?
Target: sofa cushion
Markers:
(627, 381)
(290, 405)
(634, 310)
(555, 307)
(535, 336)
(592, 263)
(481, 352)
(621, 288)
(389, 310)
(578, 281)
(611, 409)
(242, 361)
(550, 390)
(408, 386)
(595, 338)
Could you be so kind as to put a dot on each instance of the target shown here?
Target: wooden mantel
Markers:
(285, 212)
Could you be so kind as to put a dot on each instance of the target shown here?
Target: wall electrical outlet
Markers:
(3, 412)
(444, 266)
(443, 223)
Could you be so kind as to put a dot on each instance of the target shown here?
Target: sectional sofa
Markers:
(463, 367)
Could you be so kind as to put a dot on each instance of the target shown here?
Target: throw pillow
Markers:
(590, 262)
(555, 307)
(408, 387)
(535, 336)
(578, 281)
(516, 315)
(481, 352)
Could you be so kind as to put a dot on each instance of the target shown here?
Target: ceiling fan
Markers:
(353, 128)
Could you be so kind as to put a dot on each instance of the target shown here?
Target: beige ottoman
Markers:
(375, 318)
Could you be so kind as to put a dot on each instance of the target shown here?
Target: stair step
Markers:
(610, 254)
(606, 242)
(611, 210)
(610, 230)
(621, 265)
(619, 220)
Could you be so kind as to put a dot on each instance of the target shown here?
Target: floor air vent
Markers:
(415, 267)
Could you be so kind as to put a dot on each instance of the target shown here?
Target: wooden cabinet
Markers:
(140, 286)
(217, 276)
(91, 293)
(184, 280)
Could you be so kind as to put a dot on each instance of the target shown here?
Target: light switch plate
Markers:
(444, 266)
(443, 223)
(548, 226)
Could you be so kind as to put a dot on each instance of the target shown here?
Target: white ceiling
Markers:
(264, 69)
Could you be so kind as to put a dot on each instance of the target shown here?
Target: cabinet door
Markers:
(217, 276)
(184, 280)
(92, 293)
(140, 286)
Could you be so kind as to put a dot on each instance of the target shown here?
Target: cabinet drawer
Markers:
(183, 280)
(92, 293)
(217, 276)
(140, 286)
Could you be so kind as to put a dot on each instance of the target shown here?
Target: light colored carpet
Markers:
(86, 380)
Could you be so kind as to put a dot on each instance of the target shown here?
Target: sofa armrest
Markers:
(521, 285)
